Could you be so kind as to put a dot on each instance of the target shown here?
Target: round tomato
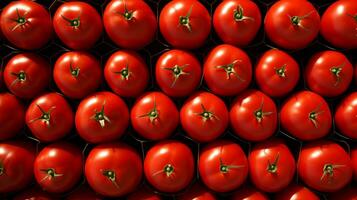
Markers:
(292, 24)
(101, 117)
(248, 193)
(143, 193)
(26, 24)
(35, 194)
(346, 116)
(77, 24)
(223, 166)
(130, 24)
(77, 74)
(277, 73)
(113, 169)
(348, 193)
(204, 116)
(185, 23)
(354, 162)
(296, 192)
(306, 116)
(253, 116)
(126, 73)
(197, 192)
(84, 192)
(169, 166)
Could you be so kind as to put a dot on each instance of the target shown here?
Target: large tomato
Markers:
(84, 192)
(354, 162)
(348, 193)
(346, 116)
(144, 193)
(296, 192)
(248, 193)
(197, 192)
(35, 193)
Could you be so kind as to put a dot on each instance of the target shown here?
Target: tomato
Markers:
(324, 166)
(35, 194)
(185, 23)
(253, 116)
(197, 192)
(143, 193)
(178, 73)
(339, 24)
(277, 73)
(84, 192)
(26, 24)
(12, 119)
(354, 162)
(27, 75)
(349, 193)
(227, 70)
(223, 166)
(101, 117)
(77, 74)
(126, 73)
(58, 167)
(204, 116)
(346, 116)
(296, 192)
(292, 24)
(237, 21)
(77, 24)
(169, 166)
(306, 116)
(130, 24)
(113, 169)
(248, 193)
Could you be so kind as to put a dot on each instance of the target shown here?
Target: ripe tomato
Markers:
(227, 70)
(296, 192)
(49, 117)
(185, 23)
(204, 116)
(169, 166)
(77, 24)
(237, 21)
(26, 75)
(223, 166)
(253, 116)
(84, 192)
(102, 117)
(35, 194)
(130, 24)
(348, 193)
(354, 162)
(143, 193)
(197, 192)
(248, 193)
(113, 169)
(126, 73)
(346, 116)
(26, 24)
(324, 166)
(178, 73)
(292, 24)
(277, 73)
(77, 74)
(306, 116)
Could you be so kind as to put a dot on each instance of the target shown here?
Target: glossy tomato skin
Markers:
(346, 116)
(348, 193)
(102, 117)
(354, 162)
(84, 192)
(144, 193)
(292, 24)
(277, 73)
(237, 21)
(35, 193)
(77, 74)
(26, 24)
(185, 24)
(204, 116)
(169, 166)
(223, 166)
(77, 24)
(178, 73)
(253, 116)
(130, 24)
(227, 70)
(27, 75)
(113, 179)
(197, 192)
(126, 73)
(296, 192)
(248, 193)
(306, 116)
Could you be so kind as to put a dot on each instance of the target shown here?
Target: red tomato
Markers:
(227, 70)
(35, 194)
(113, 169)
(277, 73)
(130, 24)
(346, 116)
(185, 23)
(26, 24)
(58, 167)
(354, 162)
(126, 73)
(77, 24)
(169, 166)
(102, 117)
(237, 21)
(296, 192)
(178, 73)
(197, 192)
(292, 24)
(324, 166)
(49, 117)
(306, 116)
(77, 74)
(248, 193)
(223, 166)
(143, 193)
(26, 75)
(253, 116)
(84, 192)
(204, 117)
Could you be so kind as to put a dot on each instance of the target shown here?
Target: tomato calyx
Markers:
(125, 73)
(72, 22)
(273, 167)
(168, 170)
(238, 15)
(313, 115)
(328, 170)
(127, 14)
(336, 70)
(353, 16)
(45, 117)
(207, 115)
(2, 169)
(74, 71)
(110, 175)
(185, 20)
(50, 174)
(100, 116)
(152, 114)
(259, 113)
(177, 71)
(223, 168)
(21, 20)
(281, 71)
(296, 20)
(229, 69)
